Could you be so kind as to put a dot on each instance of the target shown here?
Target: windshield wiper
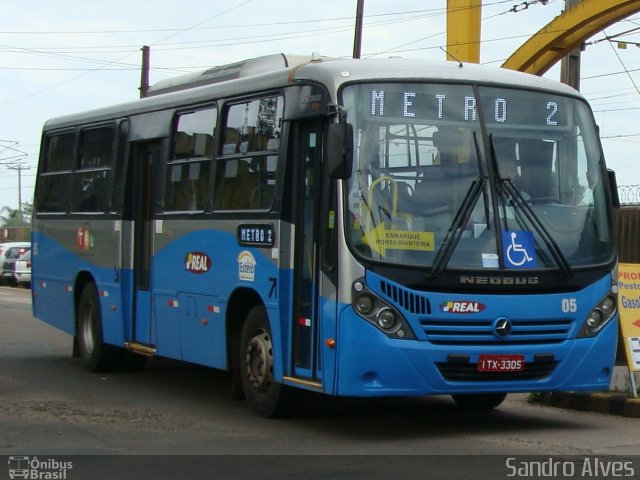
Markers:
(522, 205)
(454, 234)
(505, 184)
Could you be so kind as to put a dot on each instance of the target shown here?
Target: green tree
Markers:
(12, 217)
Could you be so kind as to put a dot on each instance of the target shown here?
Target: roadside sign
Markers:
(629, 307)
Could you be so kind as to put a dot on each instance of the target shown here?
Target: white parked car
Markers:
(22, 271)
(9, 254)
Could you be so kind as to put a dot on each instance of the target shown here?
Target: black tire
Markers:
(264, 395)
(98, 356)
(479, 401)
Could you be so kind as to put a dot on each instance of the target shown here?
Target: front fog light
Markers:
(364, 304)
(386, 318)
(594, 319)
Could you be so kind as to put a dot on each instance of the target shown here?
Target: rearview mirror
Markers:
(339, 152)
(613, 187)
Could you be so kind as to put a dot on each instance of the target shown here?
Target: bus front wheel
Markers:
(264, 395)
(479, 401)
(98, 356)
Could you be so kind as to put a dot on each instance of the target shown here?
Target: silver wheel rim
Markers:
(259, 361)
(87, 329)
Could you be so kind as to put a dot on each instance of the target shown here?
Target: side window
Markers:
(120, 168)
(91, 189)
(246, 170)
(54, 183)
(189, 169)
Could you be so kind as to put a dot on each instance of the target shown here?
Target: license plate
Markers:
(501, 363)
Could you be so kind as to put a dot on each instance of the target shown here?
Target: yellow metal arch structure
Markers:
(463, 30)
(566, 32)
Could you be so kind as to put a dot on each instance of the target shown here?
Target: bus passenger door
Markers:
(308, 278)
(144, 156)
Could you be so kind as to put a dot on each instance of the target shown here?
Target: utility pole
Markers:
(357, 41)
(14, 163)
(144, 72)
(570, 65)
(19, 168)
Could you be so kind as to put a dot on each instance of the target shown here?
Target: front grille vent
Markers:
(408, 300)
(465, 331)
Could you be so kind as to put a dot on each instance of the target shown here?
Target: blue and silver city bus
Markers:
(350, 227)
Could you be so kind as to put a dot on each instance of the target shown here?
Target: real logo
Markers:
(462, 306)
(197, 262)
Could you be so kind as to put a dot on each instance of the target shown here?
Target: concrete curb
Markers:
(601, 402)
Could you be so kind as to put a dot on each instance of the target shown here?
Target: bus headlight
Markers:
(594, 319)
(386, 318)
(599, 316)
(364, 304)
(379, 312)
(608, 306)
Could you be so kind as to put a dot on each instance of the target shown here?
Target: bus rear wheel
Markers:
(264, 395)
(98, 356)
(479, 401)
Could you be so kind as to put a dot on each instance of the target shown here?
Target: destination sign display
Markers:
(256, 235)
(449, 103)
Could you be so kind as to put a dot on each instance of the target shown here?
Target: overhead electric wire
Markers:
(349, 27)
(440, 11)
(163, 46)
(623, 66)
(396, 49)
(122, 58)
(242, 40)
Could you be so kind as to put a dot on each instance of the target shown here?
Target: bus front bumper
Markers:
(370, 364)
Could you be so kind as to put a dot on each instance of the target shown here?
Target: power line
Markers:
(347, 27)
(162, 46)
(396, 49)
(623, 66)
(262, 38)
(125, 56)
(607, 137)
(440, 11)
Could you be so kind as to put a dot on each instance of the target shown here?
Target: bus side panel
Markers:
(57, 263)
(329, 309)
(203, 330)
(194, 275)
(51, 282)
(166, 328)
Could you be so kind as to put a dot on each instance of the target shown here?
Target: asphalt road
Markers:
(51, 406)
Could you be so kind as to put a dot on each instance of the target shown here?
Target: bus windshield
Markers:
(475, 177)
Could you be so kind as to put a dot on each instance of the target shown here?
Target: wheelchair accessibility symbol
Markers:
(518, 249)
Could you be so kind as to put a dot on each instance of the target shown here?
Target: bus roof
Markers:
(342, 71)
(330, 72)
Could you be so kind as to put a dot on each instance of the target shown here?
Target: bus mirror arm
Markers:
(613, 187)
(339, 151)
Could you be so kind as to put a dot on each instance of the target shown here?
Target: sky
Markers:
(67, 56)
